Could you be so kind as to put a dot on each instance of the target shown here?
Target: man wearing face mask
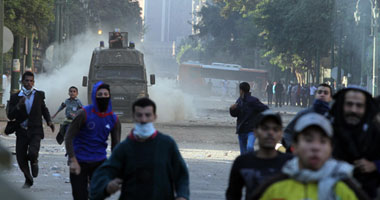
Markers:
(27, 107)
(86, 139)
(146, 165)
(356, 139)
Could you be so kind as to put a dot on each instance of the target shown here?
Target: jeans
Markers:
(246, 142)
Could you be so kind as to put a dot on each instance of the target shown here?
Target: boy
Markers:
(72, 105)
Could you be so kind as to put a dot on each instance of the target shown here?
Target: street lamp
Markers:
(374, 26)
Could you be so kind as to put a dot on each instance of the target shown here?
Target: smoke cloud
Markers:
(56, 83)
(172, 103)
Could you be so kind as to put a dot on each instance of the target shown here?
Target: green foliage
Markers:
(23, 16)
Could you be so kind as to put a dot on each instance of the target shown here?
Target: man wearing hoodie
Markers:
(312, 174)
(146, 165)
(246, 109)
(86, 139)
(356, 139)
(323, 97)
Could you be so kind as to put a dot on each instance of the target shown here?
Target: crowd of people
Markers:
(279, 94)
(328, 151)
(331, 149)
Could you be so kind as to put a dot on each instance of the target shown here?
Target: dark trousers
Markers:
(278, 100)
(80, 183)
(270, 96)
(27, 148)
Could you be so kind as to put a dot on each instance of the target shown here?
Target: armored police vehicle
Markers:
(122, 67)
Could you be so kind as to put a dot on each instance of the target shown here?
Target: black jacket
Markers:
(352, 143)
(248, 108)
(37, 111)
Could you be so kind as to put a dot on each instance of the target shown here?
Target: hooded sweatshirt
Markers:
(361, 141)
(91, 143)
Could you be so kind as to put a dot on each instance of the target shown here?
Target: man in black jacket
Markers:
(279, 88)
(28, 107)
(321, 105)
(246, 109)
(356, 137)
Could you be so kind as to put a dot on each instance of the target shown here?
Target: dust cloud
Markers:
(172, 103)
(56, 83)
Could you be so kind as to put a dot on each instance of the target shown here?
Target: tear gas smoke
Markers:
(172, 104)
(56, 83)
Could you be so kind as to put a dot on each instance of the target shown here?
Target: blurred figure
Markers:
(6, 190)
(246, 109)
(269, 92)
(251, 169)
(321, 105)
(304, 95)
(146, 165)
(116, 40)
(312, 174)
(288, 94)
(357, 138)
(279, 88)
(312, 94)
(298, 94)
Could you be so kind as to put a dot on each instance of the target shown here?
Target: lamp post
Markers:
(375, 26)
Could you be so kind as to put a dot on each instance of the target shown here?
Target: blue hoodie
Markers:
(91, 143)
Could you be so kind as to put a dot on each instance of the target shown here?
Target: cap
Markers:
(268, 114)
(314, 119)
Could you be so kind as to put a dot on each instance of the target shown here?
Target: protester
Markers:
(312, 174)
(146, 165)
(246, 110)
(279, 88)
(321, 105)
(86, 139)
(269, 92)
(28, 107)
(357, 138)
(251, 169)
(312, 90)
(72, 105)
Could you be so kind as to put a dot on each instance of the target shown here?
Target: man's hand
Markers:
(74, 166)
(233, 107)
(365, 166)
(51, 125)
(114, 185)
(21, 102)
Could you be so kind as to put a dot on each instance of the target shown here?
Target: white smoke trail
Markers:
(56, 83)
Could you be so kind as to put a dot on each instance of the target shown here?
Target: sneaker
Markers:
(34, 166)
(27, 184)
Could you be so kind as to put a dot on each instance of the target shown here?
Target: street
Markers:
(207, 142)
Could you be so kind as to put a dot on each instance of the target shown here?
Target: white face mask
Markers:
(144, 131)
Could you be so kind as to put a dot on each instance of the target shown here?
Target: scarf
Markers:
(321, 107)
(327, 176)
(26, 92)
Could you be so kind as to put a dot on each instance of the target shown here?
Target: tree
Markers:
(26, 16)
